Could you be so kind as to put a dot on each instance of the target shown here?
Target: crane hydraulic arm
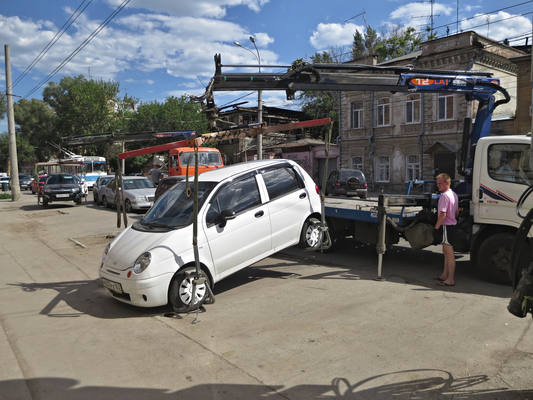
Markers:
(475, 85)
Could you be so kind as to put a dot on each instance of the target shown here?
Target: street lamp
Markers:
(259, 96)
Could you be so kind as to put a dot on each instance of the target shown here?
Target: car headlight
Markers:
(142, 262)
(106, 250)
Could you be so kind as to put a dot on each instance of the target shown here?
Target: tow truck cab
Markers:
(208, 159)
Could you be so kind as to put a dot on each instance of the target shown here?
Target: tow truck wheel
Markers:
(494, 257)
(180, 293)
(310, 233)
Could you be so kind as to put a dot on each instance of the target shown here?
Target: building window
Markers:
(412, 168)
(357, 115)
(412, 109)
(383, 111)
(357, 163)
(382, 169)
(445, 107)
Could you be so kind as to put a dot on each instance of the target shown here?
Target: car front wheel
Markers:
(181, 287)
(310, 235)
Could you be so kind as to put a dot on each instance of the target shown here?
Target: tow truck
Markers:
(487, 222)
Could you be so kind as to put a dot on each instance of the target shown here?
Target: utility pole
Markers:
(15, 187)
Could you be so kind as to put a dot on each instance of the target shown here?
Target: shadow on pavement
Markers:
(86, 297)
(400, 265)
(404, 385)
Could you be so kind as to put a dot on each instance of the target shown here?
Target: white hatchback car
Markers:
(247, 212)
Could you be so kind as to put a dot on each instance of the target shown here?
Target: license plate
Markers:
(114, 286)
(351, 193)
(63, 195)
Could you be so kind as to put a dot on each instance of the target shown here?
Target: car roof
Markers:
(218, 175)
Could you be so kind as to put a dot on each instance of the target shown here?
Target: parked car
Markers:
(25, 181)
(247, 212)
(37, 184)
(139, 193)
(166, 183)
(349, 182)
(98, 185)
(62, 187)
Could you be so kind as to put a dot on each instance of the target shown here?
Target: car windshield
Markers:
(348, 173)
(62, 179)
(174, 209)
(204, 158)
(130, 184)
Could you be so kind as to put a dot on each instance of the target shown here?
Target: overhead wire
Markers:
(79, 48)
(73, 17)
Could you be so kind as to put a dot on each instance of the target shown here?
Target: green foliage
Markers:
(320, 104)
(3, 105)
(392, 44)
(25, 151)
(174, 114)
(82, 106)
(37, 125)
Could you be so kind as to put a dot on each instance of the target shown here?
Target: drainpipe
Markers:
(371, 140)
(339, 133)
(421, 136)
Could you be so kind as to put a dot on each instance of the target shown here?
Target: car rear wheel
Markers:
(180, 293)
(310, 233)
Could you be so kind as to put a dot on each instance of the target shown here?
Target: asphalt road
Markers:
(299, 325)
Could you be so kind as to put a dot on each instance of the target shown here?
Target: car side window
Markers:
(111, 184)
(239, 196)
(280, 181)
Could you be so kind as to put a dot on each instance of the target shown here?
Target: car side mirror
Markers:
(223, 217)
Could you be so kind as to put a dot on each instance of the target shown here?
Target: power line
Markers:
(480, 15)
(74, 16)
(79, 48)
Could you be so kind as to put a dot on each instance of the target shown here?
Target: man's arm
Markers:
(440, 219)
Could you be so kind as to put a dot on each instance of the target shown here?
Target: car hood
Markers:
(127, 247)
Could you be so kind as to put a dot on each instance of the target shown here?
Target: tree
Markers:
(174, 114)
(3, 105)
(320, 104)
(391, 44)
(82, 106)
(37, 125)
(25, 151)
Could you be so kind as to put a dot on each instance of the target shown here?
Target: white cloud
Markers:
(501, 25)
(410, 13)
(181, 46)
(333, 35)
(196, 8)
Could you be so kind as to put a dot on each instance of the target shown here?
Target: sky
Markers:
(160, 48)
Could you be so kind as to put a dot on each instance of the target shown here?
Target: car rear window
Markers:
(348, 173)
(137, 184)
(280, 181)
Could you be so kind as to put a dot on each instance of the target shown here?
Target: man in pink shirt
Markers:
(448, 209)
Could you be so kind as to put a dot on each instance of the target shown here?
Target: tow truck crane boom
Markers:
(475, 85)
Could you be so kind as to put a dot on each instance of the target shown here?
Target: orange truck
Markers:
(208, 158)
(179, 155)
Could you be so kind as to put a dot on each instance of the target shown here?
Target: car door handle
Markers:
(259, 214)
(303, 195)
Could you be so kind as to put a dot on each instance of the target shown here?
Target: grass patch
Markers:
(5, 196)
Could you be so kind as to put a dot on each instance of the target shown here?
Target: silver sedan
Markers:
(139, 193)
